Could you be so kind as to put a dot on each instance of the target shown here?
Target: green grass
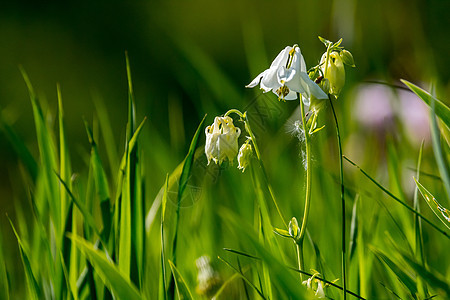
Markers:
(123, 229)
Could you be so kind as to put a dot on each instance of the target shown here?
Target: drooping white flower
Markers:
(221, 140)
(244, 156)
(287, 76)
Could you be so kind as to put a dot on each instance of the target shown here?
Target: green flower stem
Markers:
(258, 156)
(301, 236)
(343, 257)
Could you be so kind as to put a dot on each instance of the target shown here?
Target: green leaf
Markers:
(282, 232)
(109, 273)
(326, 42)
(354, 228)
(442, 110)
(162, 287)
(182, 288)
(441, 212)
(401, 275)
(4, 284)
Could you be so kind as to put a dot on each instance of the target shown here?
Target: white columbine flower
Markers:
(287, 76)
(221, 140)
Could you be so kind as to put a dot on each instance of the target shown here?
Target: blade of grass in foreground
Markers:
(162, 287)
(397, 199)
(48, 159)
(125, 209)
(185, 173)
(107, 270)
(4, 284)
(443, 112)
(182, 288)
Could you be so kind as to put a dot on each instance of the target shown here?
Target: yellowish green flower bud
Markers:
(244, 156)
(294, 230)
(347, 58)
(221, 140)
(334, 71)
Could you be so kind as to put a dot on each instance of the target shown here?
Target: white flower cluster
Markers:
(287, 76)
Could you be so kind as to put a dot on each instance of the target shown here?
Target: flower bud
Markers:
(347, 58)
(334, 72)
(221, 140)
(244, 156)
(294, 231)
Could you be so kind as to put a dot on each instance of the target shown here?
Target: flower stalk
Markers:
(244, 118)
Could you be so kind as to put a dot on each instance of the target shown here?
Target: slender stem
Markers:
(258, 156)
(341, 167)
(308, 188)
(301, 261)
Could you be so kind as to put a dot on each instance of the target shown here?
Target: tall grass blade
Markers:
(184, 177)
(125, 237)
(109, 273)
(4, 283)
(48, 159)
(418, 237)
(34, 290)
(182, 288)
(101, 184)
(442, 110)
(441, 212)
(162, 287)
(399, 272)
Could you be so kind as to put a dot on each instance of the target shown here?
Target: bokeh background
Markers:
(189, 58)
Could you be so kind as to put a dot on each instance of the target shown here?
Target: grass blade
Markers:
(441, 212)
(4, 284)
(397, 199)
(182, 288)
(110, 274)
(442, 110)
(33, 287)
(48, 159)
(162, 287)
(401, 275)
(20, 148)
(101, 184)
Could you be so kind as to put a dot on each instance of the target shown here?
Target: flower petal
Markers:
(281, 58)
(270, 80)
(257, 80)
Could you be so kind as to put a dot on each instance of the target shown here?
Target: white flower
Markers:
(221, 140)
(287, 76)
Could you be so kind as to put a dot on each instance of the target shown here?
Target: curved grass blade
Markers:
(48, 159)
(442, 110)
(162, 287)
(404, 278)
(107, 270)
(20, 148)
(441, 212)
(243, 277)
(182, 288)
(397, 199)
(33, 287)
(4, 284)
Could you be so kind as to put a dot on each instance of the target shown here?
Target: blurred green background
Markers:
(189, 58)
